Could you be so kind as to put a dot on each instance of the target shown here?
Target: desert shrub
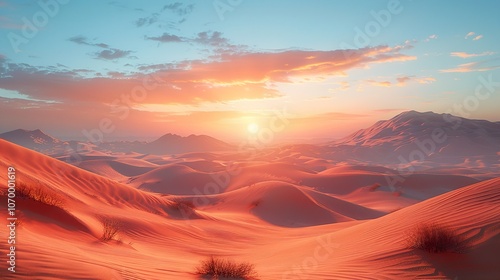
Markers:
(374, 187)
(255, 203)
(110, 229)
(185, 208)
(435, 238)
(179, 204)
(218, 268)
(38, 193)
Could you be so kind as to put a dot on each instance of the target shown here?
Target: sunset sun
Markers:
(253, 128)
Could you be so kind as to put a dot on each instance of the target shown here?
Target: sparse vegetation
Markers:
(39, 193)
(374, 187)
(435, 238)
(218, 268)
(255, 203)
(110, 229)
(185, 208)
(179, 204)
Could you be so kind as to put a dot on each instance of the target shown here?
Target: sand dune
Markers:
(295, 211)
(379, 245)
(117, 169)
(171, 179)
(278, 203)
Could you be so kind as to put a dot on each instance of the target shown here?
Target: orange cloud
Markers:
(342, 86)
(469, 67)
(425, 80)
(380, 84)
(229, 77)
(468, 55)
(402, 81)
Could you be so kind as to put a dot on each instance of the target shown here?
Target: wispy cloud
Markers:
(112, 54)
(145, 21)
(431, 37)
(179, 10)
(343, 86)
(402, 81)
(209, 38)
(82, 40)
(168, 38)
(471, 67)
(470, 34)
(478, 37)
(379, 83)
(213, 39)
(107, 54)
(468, 55)
(473, 36)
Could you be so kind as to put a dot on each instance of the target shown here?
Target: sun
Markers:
(253, 128)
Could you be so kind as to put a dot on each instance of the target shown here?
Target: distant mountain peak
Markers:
(173, 143)
(411, 125)
(32, 139)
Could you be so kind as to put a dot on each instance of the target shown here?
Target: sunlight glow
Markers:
(253, 128)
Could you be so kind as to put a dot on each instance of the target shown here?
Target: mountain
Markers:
(175, 144)
(408, 126)
(191, 143)
(169, 144)
(34, 139)
(418, 136)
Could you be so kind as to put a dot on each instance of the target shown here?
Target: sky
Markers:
(231, 69)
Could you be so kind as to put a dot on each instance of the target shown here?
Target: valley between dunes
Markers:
(314, 220)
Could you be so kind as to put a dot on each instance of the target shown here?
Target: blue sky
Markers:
(224, 64)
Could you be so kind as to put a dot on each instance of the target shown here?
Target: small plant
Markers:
(110, 229)
(255, 203)
(217, 268)
(182, 204)
(39, 193)
(434, 238)
(374, 187)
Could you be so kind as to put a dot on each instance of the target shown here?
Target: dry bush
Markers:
(38, 193)
(255, 203)
(179, 204)
(217, 268)
(185, 208)
(435, 238)
(374, 187)
(110, 229)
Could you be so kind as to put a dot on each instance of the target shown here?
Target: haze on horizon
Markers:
(142, 69)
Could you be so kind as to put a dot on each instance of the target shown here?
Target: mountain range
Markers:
(407, 137)
(416, 136)
(167, 144)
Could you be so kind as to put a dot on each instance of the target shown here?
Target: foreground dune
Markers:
(288, 230)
